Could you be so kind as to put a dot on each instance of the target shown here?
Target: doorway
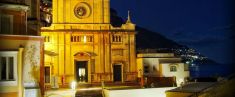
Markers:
(47, 74)
(81, 71)
(117, 73)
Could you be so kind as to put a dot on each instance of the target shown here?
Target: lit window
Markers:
(87, 39)
(8, 68)
(80, 38)
(84, 39)
(173, 68)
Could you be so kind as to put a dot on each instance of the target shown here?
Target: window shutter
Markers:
(6, 24)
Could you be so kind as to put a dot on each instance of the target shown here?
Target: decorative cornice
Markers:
(16, 7)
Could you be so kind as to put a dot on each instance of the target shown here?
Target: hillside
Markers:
(150, 41)
(145, 39)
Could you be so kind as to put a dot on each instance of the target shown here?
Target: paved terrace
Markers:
(89, 90)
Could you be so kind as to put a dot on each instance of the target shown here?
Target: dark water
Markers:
(210, 70)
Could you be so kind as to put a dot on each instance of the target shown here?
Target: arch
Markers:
(90, 54)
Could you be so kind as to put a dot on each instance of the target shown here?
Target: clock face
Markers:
(82, 10)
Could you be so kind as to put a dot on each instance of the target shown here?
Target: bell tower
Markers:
(81, 11)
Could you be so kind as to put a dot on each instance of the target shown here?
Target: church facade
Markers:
(81, 44)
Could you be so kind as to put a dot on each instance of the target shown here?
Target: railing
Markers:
(108, 77)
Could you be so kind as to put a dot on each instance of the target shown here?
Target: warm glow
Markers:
(82, 71)
(89, 34)
(84, 39)
(180, 82)
(73, 85)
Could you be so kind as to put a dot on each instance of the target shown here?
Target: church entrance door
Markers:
(81, 71)
(117, 73)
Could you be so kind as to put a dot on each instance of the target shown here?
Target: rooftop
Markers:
(17, 7)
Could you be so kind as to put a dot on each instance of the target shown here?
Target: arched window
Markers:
(78, 39)
(71, 39)
(173, 68)
(117, 38)
(74, 38)
(113, 38)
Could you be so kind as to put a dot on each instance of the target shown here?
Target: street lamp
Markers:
(73, 85)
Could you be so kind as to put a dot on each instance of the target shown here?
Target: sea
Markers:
(211, 70)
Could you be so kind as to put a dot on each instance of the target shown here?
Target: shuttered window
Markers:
(8, 68)
(6, 24)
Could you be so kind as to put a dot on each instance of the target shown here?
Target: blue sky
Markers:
(205, 25)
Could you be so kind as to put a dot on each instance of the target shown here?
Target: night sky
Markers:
(206, 25)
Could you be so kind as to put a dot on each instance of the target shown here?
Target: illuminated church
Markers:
(81, 44)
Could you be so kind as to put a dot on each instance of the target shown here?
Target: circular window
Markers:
(82, 10)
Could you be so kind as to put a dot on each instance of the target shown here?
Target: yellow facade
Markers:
(17, 90)
(83, 46)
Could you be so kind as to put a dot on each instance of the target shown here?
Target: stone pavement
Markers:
(81, 92)
(89, 93)
(86, 90)
(60, 93)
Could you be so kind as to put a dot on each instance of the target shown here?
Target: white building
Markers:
(162, 65)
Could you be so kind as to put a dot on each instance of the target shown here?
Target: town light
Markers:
(73, 85)
(181, 80)
(187, 62)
